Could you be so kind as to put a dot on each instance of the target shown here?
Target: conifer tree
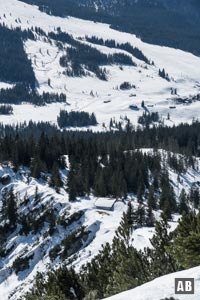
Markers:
(152, 201)
(58, 285)
(194, 197)
(36, 196)
(55, 180)
(9, 209)
(150, 219)
(140, 214)
(124, 231)
(162, 261)
(186, 248)
(167, 197)
(37, 166)
(130, 213)
(183, 207)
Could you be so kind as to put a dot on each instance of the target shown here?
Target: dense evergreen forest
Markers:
(14, 65)
(76, 119)
(22, 93)
(126, 47)
(6, 110)
(157, 23)
(107, 164)
(101, 164)
(147, 119)
(104, 164)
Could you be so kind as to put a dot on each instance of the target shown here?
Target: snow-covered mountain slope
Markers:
(162, 287)
(106, 99)
(84, 223)
(99, 227)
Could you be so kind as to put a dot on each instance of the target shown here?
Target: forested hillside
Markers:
(99, 148)
(14, 63)
(128, 166)
(174, 23)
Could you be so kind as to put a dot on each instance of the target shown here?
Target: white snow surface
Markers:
(182, 67)
(106, 203)
(162, 287)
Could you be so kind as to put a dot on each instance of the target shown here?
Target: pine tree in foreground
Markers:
(186, 247)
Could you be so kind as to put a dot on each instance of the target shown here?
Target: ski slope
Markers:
(182, 67)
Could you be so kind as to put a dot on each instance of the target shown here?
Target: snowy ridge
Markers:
(100, 225)
(182, 67)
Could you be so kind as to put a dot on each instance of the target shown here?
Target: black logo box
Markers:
(182, 284)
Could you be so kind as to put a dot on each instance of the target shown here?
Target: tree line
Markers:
(124, 46)
(15, 66)
(92, 59)
(22, 93)
(155, 24)
(76, 119)
(102, 163)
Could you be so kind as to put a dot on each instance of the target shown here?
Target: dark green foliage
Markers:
(156, 22)
(87, 55)
(176, 162)
(37, 167)
(186, 247)
(126, 86)
(81, 59)
(117, 267)
(30, 142)
(75, 217)
(162, 260)
(140, 215)
(57, 286)
(167, 197)
(183, 203)
(152, 201)
(150, 219)
(52, 297)
(76, 119)
(63, 37)
(9, 208)
(73, 242)
(14, 63)
(126, 46)
(163, 74)
(22, 93)
(171, 298)
(194, 197)
(56, 180)
(120, 266)
(21, 264)
(90, 169)
(6, 110)
(148, 118)
(54, 253)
